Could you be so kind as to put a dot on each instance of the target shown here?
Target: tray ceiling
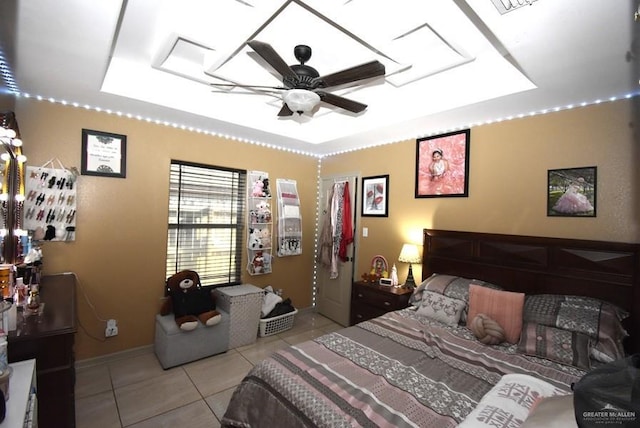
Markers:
(449, 63)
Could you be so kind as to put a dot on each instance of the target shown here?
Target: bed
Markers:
(424, 367)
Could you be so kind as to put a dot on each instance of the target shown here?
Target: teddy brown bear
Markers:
(189, 303)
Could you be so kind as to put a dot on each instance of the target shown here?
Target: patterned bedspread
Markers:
(397, 370)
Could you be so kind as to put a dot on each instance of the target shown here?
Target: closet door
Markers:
(333, 296)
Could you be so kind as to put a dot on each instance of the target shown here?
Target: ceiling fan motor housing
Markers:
(304, 73)
(305, 77)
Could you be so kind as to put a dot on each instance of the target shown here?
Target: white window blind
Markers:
(206, 220)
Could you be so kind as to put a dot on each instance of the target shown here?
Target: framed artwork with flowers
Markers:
(442, 165)
(375, 196)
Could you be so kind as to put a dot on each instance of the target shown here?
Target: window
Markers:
(206, 221)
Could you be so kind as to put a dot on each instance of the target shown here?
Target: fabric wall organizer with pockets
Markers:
(259, 223)
(50, 201)
(289, 218)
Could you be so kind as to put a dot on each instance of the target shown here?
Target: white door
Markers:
(334, 295)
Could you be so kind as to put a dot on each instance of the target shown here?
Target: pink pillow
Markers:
(504, 307)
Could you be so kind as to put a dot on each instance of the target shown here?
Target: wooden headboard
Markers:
(534, 265)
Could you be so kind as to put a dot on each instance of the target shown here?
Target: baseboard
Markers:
(142, 350)
(109, 358)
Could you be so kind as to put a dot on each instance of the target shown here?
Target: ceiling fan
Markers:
(303, 86)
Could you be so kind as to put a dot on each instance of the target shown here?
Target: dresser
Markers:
(49, 338)
(369, 300)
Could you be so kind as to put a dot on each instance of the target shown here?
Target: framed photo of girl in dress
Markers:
(571, 192)
(442, 165)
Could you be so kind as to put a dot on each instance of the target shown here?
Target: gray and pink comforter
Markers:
(397, 370)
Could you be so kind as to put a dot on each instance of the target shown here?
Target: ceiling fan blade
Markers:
(237, 85)
(285, 111)
(271, 56)
(359, 72)
(342, 102)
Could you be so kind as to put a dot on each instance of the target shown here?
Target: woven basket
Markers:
(275, 325)
(243, 302)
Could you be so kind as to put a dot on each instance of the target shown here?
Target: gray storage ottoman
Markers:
(174, 346)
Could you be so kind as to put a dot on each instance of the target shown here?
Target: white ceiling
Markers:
(449, 63)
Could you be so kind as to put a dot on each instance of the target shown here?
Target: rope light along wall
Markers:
(12, 190)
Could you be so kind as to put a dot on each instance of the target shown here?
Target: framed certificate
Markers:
(104, 154)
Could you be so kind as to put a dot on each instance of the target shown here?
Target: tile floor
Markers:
(136, 392)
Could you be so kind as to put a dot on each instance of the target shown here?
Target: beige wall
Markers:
(507, 182)
(120, 246)
(119, 252)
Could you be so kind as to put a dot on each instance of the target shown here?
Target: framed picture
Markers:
(104, 154)
(442, 165)
(375, 196)
(571, 192)
(379, 266)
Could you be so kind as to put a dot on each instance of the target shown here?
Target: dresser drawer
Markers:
(362, 312)
(375, 298)
(371, 300)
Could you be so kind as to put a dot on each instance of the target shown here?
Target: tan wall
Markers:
(119, 253)
(120, 247)
(508, 177)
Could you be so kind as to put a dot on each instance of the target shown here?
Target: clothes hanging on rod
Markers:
(336, 226)
(325, 243)
(337, 229)
(346, 237)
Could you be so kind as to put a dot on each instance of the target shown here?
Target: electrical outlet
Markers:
(112, 328)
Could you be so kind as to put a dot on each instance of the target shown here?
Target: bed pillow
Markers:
(504, 307)
(509, 402)
(486, 330)
(552, 412)
(441, 308)
(562, 346)
(596, 318)
(455, 287)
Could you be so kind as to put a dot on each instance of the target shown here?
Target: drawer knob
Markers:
(387, 304)
(358, 316)
(360, 295)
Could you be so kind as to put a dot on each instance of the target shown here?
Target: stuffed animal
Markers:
(265, 237)
(258, 188)
(257, 264)
(189, 303)
(265, 188)
(263, 214)
(255, 239)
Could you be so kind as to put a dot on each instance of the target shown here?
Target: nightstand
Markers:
(370, 300)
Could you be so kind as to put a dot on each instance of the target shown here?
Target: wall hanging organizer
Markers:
(289, 218)
(50, 201)
(259, 224)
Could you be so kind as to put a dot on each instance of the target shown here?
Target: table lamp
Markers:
(409, 254)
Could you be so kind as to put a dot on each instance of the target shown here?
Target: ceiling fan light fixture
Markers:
(300, 100)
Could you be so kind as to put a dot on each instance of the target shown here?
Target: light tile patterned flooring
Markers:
(136, 392)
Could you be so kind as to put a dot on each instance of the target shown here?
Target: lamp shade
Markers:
(300, 100)
(409, 254)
